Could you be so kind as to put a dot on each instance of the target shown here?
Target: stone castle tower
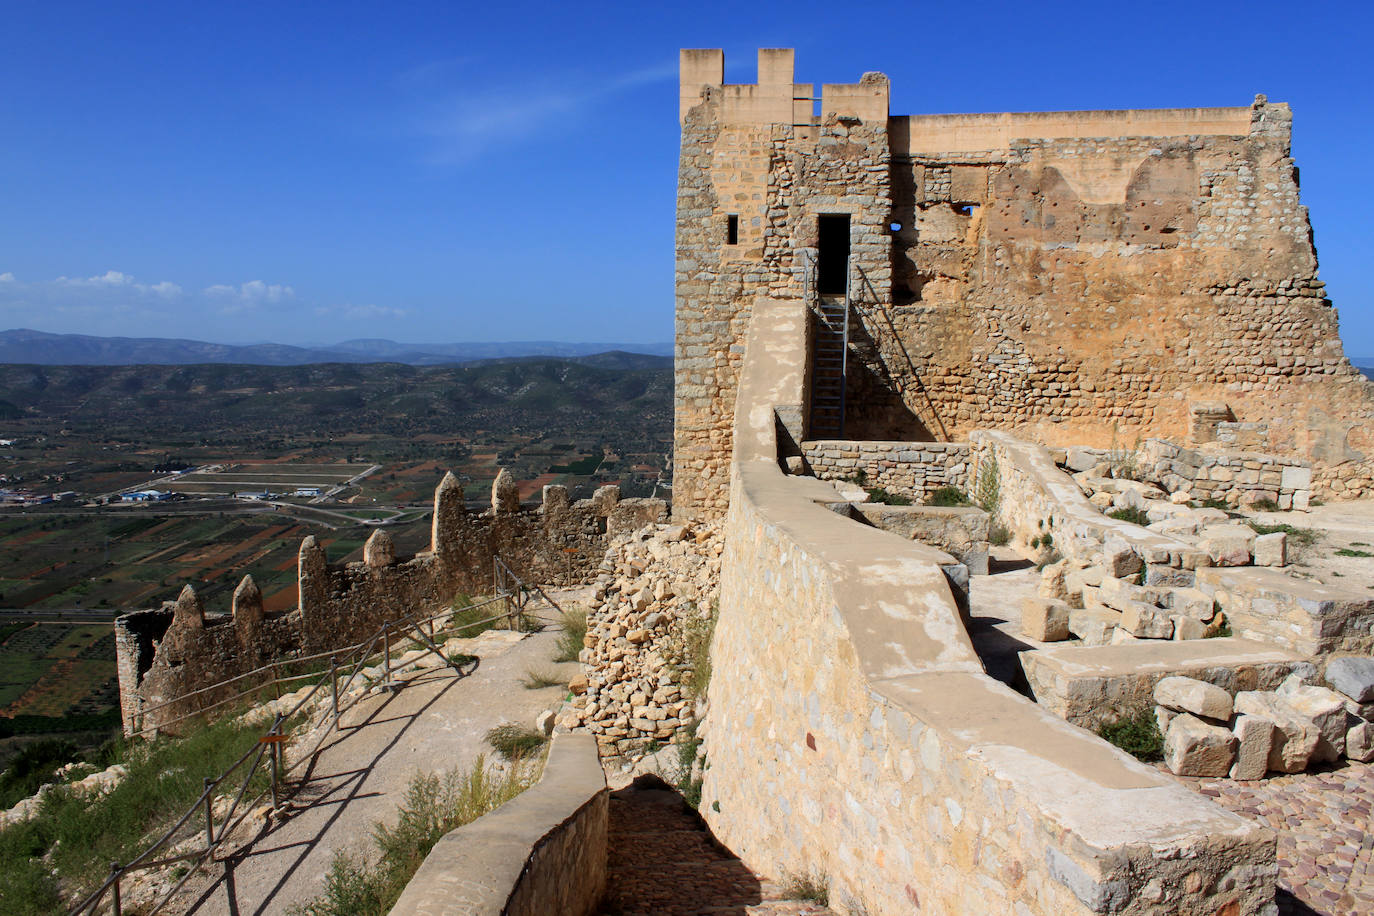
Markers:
(1077, 277)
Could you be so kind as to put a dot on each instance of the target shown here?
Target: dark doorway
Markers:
(833, 256)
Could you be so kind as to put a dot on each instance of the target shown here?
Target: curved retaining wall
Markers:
(852, 732)
(542, 852)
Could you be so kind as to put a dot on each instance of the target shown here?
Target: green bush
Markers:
(1130, 514)
(515, 742)
(947, 497)
(537, 678)
(998, 535)
(1138, 736)
(32, 767)
(879, 495)
(814, 888)
(574, 622)
(988, 488)
(1352, 552)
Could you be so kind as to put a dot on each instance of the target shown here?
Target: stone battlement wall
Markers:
(166, 653)
(853, 733)
(915, 469)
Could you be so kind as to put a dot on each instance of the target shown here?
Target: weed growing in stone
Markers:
(1138, 736)
(689, 649)
(1265, 505)
(574, 622)
(516, 742)
(1351, 552)
(812, 887)
(433, 805)
(536, 678)
(988, 489)
(1299, 539)
(1130, 514)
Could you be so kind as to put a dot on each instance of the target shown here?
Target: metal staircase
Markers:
(829, 354)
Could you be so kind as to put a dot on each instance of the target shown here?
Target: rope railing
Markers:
(409, 629)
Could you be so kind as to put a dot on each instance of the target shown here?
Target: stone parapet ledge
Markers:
(915, 469)
(852, 731)
(542, 852)
(1094, 685)
(1303, 616)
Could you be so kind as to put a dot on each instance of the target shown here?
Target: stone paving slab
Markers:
(1325, 829)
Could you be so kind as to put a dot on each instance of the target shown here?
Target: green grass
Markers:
(516, 742)
(434, 804)
(1138, 736)
(79, 836)
(31, 767)
(998, 535)
(537, 678)
(467, 621)
(1351, 552)
(948, 497)
(570, 638)
(1298, 538)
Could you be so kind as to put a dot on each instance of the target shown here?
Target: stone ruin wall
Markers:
(169, 652)
(1079, 278)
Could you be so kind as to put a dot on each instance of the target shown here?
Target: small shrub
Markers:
(1210, 503)
(574, 622)
(1299, 539)
(689, 649)
(814, 888)
(536, 678)
(947, 497)
(859, 477)
(1132, 514)
(879, 495)
(433, 805)
(1351, 552)
(460, 659)
(515, 742)
(998, 535)
(467, 621)
(1138, 736)
(988, 486)
(1222, 629)
(1265, 505)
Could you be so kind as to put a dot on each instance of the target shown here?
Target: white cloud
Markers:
(475, 117)
(108, 278)
(249, 295)
(6, 277)
(117, 279)
(368, 312)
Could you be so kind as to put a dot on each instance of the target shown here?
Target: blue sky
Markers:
(312, 172)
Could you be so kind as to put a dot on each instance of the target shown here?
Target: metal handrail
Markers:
(270, 744)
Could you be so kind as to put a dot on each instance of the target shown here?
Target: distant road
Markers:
(60, 615)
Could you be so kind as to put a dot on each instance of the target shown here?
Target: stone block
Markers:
(1271, 549)
(1191, 602)
(1044, 619)
(1295, 737)
(1146, 621)
(1093, 626)
(1359, 741)
(1186, 694)
(1352, 676)
(1295, 478)
(1188, 628)
(1194, 748)
(1119, 560)
(1227, 545)
(1254, 740)
(1324, 708)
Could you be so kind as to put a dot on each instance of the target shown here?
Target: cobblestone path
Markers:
(1326, 834)
(662, 861)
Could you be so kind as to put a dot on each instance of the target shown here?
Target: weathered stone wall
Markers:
(914, 469)
(852, 731)
(1226, 475)
(542, 852)
(165, 654)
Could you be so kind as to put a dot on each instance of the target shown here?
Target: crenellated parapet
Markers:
(172, 651)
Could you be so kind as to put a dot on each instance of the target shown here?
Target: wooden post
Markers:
(334, 685)
(386, 654)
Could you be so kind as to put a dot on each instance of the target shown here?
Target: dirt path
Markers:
(435, 723)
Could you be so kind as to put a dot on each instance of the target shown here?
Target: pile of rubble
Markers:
(1207, 732)
(655, 593)
(1084, 600)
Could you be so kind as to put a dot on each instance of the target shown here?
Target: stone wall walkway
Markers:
(662, 861)
(1326, 834)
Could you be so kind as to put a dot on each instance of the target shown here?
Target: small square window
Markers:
(732, 230)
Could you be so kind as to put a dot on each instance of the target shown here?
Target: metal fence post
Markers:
(209, 816)
(386, 653)
(334, 684)
(114, 874)
(272, 759)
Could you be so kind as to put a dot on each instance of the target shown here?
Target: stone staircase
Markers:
(663, 861)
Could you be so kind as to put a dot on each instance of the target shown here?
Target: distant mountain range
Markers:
(40, 348)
